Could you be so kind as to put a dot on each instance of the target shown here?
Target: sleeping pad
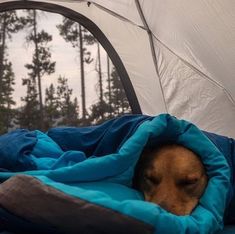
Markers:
(79, 180)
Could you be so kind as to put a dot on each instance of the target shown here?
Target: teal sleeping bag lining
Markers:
(107, 180)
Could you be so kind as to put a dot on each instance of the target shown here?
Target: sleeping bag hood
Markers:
(74, 180)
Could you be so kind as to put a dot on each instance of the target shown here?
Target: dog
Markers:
(171, 176)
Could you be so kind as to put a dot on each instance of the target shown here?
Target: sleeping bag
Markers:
(79, 180)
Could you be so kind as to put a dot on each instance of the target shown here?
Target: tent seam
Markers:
(211, 80)
(150, 34)
(117, 15)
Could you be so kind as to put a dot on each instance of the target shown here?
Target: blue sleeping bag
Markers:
(96, 165)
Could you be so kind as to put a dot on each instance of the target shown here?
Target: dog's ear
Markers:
(142, 165)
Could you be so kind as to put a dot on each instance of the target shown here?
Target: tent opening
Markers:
(68, 72)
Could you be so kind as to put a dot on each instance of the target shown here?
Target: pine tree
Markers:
(52, 112)
(10, 23)
(99, 112)
(68, 108)
(41, 61)
(118, 100)
(115, 102)
(79, 37)
(30, 112)
(6, 113)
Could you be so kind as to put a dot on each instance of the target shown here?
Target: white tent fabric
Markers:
(179, 54)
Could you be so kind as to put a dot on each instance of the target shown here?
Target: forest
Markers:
(44, 101)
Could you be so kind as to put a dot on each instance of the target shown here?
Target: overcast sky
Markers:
(66, 57)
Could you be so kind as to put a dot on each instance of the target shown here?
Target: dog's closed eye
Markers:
(191, 186)
(188, 182)
(152, 179)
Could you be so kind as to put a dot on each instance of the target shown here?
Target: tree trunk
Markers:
(100, 80)
(2, 51)
(100, 77)
(83, 94)
(109, 85)
(37, 69)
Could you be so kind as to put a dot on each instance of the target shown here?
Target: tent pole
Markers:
(152, 48)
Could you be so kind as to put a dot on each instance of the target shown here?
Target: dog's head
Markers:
(171, 176)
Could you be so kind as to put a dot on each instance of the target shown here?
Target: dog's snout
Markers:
(171, 198)
(172, 201)
(165, 205)
(176, 208)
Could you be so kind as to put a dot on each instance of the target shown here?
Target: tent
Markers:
(174, 56)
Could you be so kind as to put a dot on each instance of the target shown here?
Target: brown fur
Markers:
(171, 176)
